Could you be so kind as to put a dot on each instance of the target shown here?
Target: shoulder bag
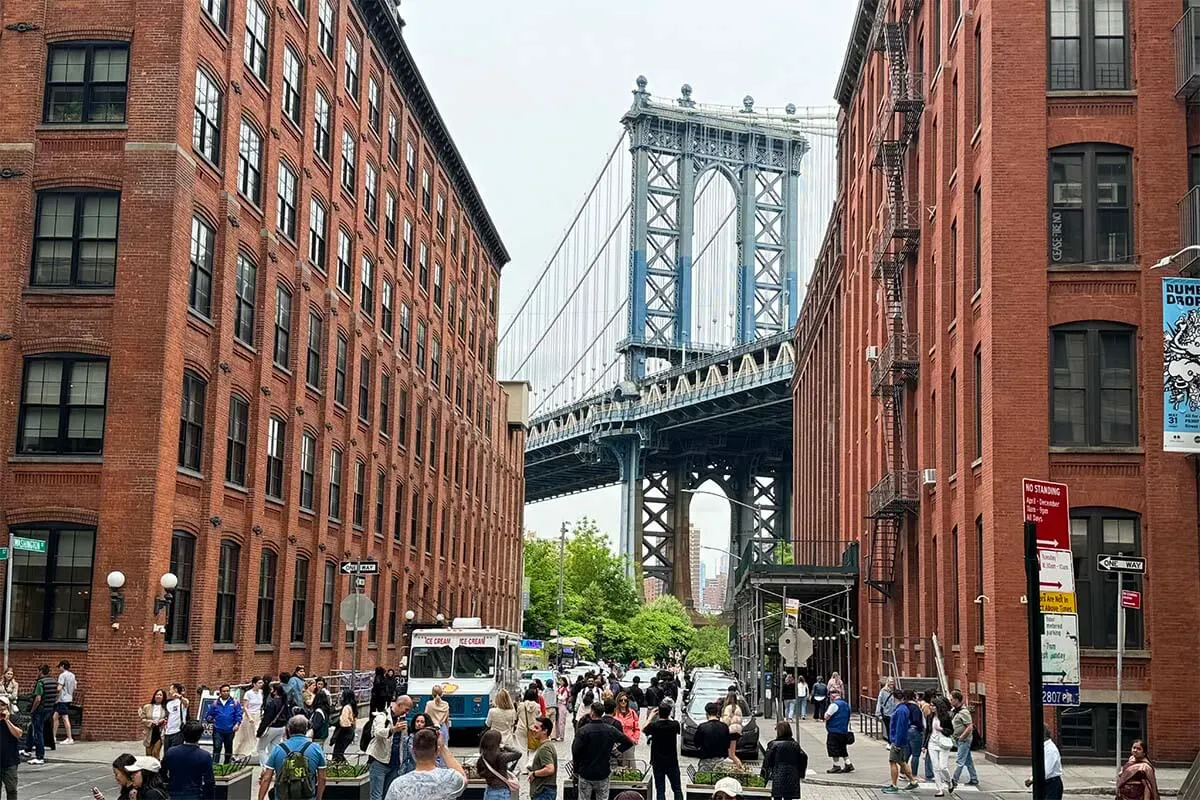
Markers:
(511, 782)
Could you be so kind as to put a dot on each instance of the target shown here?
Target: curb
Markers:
(1093, 791)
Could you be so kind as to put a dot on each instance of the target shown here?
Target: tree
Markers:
(660, 627)
(712, 647)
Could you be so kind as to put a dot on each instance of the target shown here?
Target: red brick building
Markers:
(984, 310)
(251, 291)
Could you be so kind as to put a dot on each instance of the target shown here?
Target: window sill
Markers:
(308, 387)
(280, 368)
(1068, 94)
(1099, 450)
(975, 298)
(55, 291)
(192, 474)
(178, 647)
(296, 645)
(247, 347)
(335, 521)
(953, 176)
(233, 487)
(953, 479)
(204, 160)
(264, 648)
(49, 645)
(224, 646)
(953, 326)
(958, 24)
(1093, 652)
(79, 127)
(274, 501)
(51, 458)
(205, 324)
(308, 513)
(980, 649)
(1101, 267)
(954, 648)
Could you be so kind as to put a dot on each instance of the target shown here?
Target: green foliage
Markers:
(748, 779)
(345, 771)
(227, 770)
(662, 626)
(712, 647)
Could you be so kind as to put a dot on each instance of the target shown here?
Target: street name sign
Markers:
(1047, 506)
(1131, 599)
(3, 554)
(1117, 563)
(1056, 576)
(360, 567)
(1057, 694)
(29, 545)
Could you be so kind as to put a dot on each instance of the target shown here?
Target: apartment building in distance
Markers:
(249, 301)
(984, 311)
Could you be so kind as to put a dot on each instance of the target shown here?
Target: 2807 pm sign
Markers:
(1060, 695)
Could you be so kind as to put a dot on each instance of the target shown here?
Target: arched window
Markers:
(328, 591)
(1093, 396)
(1096, 532)
(191, 421)
(183, 557)
(264, 629)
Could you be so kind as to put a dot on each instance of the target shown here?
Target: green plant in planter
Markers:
(748, 779)
(228, 770)
(627, 775)
(345, 771)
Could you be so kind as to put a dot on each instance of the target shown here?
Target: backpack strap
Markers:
(304, 748)
(284, 747)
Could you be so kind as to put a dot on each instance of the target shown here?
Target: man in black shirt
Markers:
(654, 695)
(638, 696)
(712, 739)
(189, 767)
(591, 753)
(10, 749)
(662, 731)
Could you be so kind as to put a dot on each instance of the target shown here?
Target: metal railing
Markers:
(868, 723)
(819, 553)
(896, 491)
(1187, 54)
(1189, 226)
(902, 353)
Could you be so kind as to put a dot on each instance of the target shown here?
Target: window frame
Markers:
(292, 103)
(191, 421)
(341, 363)
(977, 370)
(349, 171)
(345, 263)
(63, 442)
(308, 468)
(318, 235)
(364, 388)
(385, 404)
(374, 106)
(235, 448)
(200, 269)
(380, 480)
(287, 193)
(1089, 205)
(256, 46)
(79, 198)
(328, 592)
(276, 455)
(1087, 38)
(370, 192)
(88, 85)
(182, 566)
(250, 160)
(326, 28)
(1091, 588)
(299, 625)
(314, 350)
(282, 349)
(245, 299)
(353, 77)
(337, 463)
(1093, 390)
(268, 576)
(225, 614)
(386, 317)
(358, 501)
(50, 588)
(322, 127)
(221, 9)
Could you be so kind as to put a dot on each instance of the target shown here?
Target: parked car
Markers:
(582, 668)
(692, 714)
(711, 682)
(645, 673)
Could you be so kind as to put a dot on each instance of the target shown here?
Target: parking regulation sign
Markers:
(1047, 506)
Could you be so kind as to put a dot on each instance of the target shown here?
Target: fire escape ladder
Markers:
(896, 496)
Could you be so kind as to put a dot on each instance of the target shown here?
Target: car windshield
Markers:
(430, 662)
(474, 662)
(695, 707)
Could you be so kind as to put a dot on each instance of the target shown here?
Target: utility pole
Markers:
(562, 546)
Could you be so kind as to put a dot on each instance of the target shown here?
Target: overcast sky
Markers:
(532, 92)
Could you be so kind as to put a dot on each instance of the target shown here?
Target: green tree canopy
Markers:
(712, 647)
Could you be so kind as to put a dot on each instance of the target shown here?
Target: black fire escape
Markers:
(894, 370)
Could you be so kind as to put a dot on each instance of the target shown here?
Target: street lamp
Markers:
(116, 597)
(410, 615)
(1167, 261)
(441, 618)
(168, 582)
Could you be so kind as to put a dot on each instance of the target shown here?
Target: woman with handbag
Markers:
(527, 716)
(731, 715)
(495, 766)
(785, 764)
(941, 744)
(153, 717)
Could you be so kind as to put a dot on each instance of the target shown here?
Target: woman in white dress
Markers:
(245, 743)
(502, 717)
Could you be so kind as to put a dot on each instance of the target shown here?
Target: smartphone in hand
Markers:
(97, 794)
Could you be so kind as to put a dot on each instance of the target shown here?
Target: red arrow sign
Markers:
(1047, 505)
(1055, 584)
(1131, 599)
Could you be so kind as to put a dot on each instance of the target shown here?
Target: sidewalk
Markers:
(871, 770)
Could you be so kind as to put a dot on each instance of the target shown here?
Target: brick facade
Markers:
(462, 560)
(998, 138)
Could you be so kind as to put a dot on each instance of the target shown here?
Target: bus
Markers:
(470, 661)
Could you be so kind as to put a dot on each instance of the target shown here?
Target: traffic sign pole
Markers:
(1033, 613)
(1120, 658)
(8, 599)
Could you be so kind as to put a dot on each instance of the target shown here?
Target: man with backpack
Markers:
(296, 766)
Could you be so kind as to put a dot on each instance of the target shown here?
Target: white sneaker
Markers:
(67, 741)
(37, 762)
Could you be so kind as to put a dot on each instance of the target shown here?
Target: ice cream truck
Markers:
(470, 662)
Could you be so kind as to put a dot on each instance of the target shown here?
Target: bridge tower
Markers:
(673, 144)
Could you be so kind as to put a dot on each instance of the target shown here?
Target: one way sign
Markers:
(360, 567)
(1121, 563)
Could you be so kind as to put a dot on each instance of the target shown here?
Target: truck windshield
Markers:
(475, 662)
(430, 662)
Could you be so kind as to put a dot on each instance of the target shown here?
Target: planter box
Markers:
(570, 790)
(235, 786)
(348, 788)
(702, 791)
(475, 789)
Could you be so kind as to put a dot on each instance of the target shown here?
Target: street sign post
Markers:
(1056, 579)
(357, 611)
(1048, 507)
(1121, 564)
(1033, 617)
(368, 567)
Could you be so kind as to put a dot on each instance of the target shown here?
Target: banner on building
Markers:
(1181, 365)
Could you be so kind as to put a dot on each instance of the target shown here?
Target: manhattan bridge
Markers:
(658, 338)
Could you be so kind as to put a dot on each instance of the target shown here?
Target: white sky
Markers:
(532, 92)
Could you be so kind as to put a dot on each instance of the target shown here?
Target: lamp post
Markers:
(116, 596)
(1167, 261)
(553, 636)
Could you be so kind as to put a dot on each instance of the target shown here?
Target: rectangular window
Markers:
(370, 193)
(87, 83)
(244, 299)
(345, 262)
(977, 238)
(285, 214)
(434, 440)
(380, 477)
(935, 37)
(393, 143)
(395, 601)
(335, 484)
(63, 405)
(293, 72)
(451, 306)
(419, 432)
(215, 11)
(415, 519)
(318, 234)
(385, 307)
(339, 371)
(328, 588)
(264, 629)
(373, 625)
(410, 164)
(75, 239)
(206, 122)
(441, 214)
(398, 514)
(385, 409)
(952, 156)
(402, 419)
(978, 112)
(426, 193)
(183, 561)
(955, 620)
(360, 490)
(364, 388)
(1096, 532)
(235, 441)
(227, 579)
(389, 218)
(1088, 45)
(953, 423)
(275, 447)
(423, 267)
(254, 49)
(191, 421)
(429, 526)
(352, 68)
(978, 373)
(405, 328)
(299, 599)
(952, 270)
(437, 284)
(51, 592)
(249, 170)
(321, 126)
(979, 592)
(408, 246)
(373, 107)
(366, 298)
(1090, 208)
(308, 468)
(1093, 400)
(349, 162)
(326, 25)
(435, 361)
(421, 345)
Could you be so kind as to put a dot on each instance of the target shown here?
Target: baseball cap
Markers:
(727, 786)
(144, 764)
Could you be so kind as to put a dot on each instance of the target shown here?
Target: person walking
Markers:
(543, 767)
(428, 780)
(347, 722)
(916, 732)
(663, 735)
(177, 709)
(45, 695)
(153, 716)
(940, 743)
(820, 698)
(731, 715)
(564, 698)
(385, 752)
(225, 716)
(527, 716)
(10, 749)
(245, 742)
(295, 687)
(628, 717)
(295, 765)
(591, 753)
(189, 767)
(963, 731)
(802, 697)
(885, 704)
(381, 691)
(272, 727)
(550, 699)
(10, 688)
(837, 735)
(711, 738)
(67, 683)
(1138, 779)
(438, 711)
(899, 750)
(836, 686)
(785, 764)
(495, 765)
(318, 720)
(787, 694)
(637, 697)
(1053, 769)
